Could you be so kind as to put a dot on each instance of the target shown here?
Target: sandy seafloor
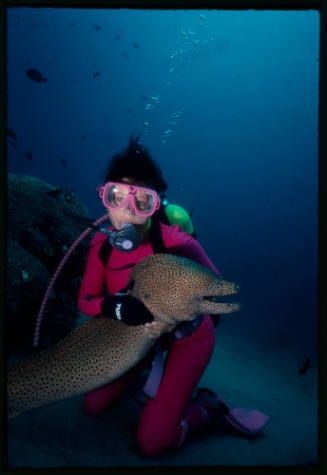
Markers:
(61, 435)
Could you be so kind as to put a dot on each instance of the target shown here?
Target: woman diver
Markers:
(143, 224)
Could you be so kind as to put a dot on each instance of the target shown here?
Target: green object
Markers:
(177, 215)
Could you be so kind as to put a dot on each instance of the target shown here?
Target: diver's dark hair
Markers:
(136, 162)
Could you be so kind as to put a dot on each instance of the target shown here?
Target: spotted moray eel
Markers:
(173, 288)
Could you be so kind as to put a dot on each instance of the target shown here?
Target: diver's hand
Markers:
(156, 329)
(127, 309)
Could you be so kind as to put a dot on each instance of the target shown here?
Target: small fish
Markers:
(304, 368)
(63, 162)
(11, 134)
(29, 155)
(97, 27)
(125, 55)
(96, 74)
(71, 24)
(136, 45)
(117, 37)
(35, 75)
(82, 137)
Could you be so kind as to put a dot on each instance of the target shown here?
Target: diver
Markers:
(143, 224)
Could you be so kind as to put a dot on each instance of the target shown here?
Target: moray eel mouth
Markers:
(218, 302)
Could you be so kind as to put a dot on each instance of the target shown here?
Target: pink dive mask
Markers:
(144, 200)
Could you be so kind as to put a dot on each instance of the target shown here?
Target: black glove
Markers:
(127, 309)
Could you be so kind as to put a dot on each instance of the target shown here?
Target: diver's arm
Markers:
(193, 250)
(182, 244)
(90, 294)
(91, 299)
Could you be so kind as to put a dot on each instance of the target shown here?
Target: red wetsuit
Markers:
(160, 423)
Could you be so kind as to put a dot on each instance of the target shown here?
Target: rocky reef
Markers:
(42, 222)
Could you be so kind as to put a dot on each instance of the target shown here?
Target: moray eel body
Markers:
(173, 288)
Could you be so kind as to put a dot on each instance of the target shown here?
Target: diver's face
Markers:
(126, 214)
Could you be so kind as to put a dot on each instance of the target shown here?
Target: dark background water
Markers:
(227, 103)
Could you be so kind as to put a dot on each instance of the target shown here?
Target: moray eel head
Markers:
(175, 288)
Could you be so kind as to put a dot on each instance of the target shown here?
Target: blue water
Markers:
(227, 103)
